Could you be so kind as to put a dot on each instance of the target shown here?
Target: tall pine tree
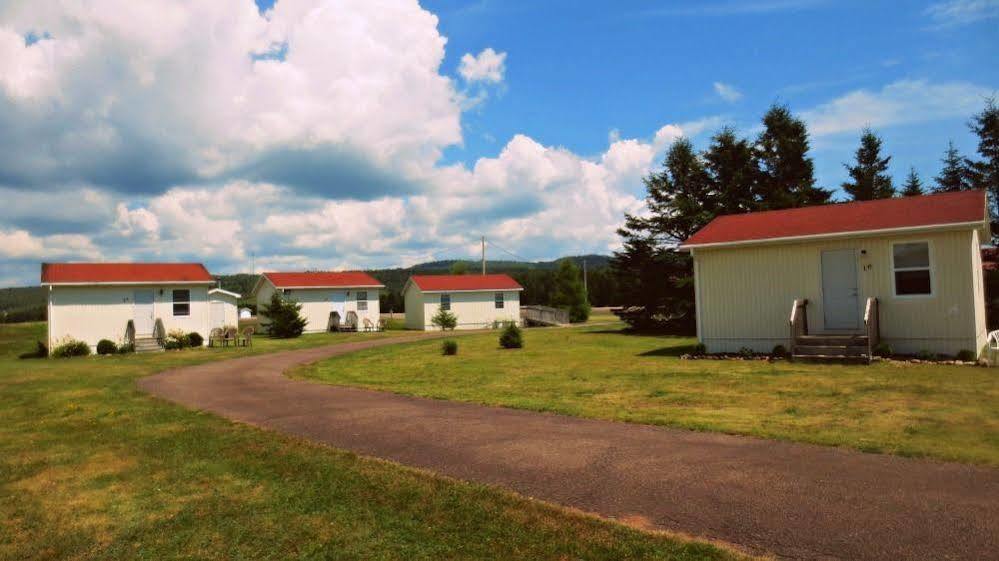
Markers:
(913, 186)
(787, 177)
(985, 173)
(869, 177)
(730, 163)
(954, 176)
(679, 197)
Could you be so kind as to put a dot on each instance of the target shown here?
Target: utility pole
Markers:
(585, 289)
(483, 255)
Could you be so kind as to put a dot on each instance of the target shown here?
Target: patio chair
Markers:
(334, 323)
(231, 336)
(215, 336)
(382, 324)
(351, 323)
(368, 326)
(247, 340)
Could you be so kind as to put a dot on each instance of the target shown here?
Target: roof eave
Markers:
(126, 283)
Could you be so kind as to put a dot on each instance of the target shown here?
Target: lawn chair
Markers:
(382, 324)
(231, 336)
(368, 326)
(215, 337)
(334, 323)
(351, 323)
(248, 336)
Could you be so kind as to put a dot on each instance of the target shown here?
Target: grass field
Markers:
(945, 412)
(91, 468)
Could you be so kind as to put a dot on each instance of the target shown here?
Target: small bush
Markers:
(105, 347)
(176, 339)
(966, 355)
(195, 339)
(444, 320)
(449, 347)
(71, 347)
(779, 351)
(882, 350)
(746, 352)
(512, 337)
(926, 355)
(126, 348)
(700, 349)
(41, 351)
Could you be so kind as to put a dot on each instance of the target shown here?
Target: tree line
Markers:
(772, 171)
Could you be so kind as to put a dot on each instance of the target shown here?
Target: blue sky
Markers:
(342, 134)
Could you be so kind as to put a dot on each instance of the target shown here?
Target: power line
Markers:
(508, 252)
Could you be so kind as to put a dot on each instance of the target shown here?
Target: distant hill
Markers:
(28, 303)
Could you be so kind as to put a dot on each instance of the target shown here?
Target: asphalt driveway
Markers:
(796, 501)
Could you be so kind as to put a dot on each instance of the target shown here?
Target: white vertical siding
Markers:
(231, 312)
(92, 313)
(745, 293)
(474, 310)
(414, 308)
(317, 303)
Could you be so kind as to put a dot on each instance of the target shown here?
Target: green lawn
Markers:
(91, 468)
(947, 412)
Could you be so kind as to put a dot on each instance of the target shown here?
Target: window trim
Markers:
(174, 301)
(444, 306)
(362, 303)
(499, 300)
(930, 268)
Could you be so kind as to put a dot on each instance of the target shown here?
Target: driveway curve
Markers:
(796, 501)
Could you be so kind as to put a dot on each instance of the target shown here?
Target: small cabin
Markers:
(837, 280)
(330, 300)
(477, 301)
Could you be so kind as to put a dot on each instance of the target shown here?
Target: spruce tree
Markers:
(787, 177)
(913, 186)
(731, 167)
(869, 177)
(984, 174)
(954, 175)
(569, 291)
(679, 197)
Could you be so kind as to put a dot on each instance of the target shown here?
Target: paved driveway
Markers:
(797, 501)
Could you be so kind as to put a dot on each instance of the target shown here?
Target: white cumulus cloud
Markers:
(727, 92)
(487, 66)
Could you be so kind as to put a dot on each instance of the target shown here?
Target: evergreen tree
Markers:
(954, 176)
(985, 173)
(285, 317)
(679, 197)
(913, 185)
(569, 291)
(654, 282)
(731, 166)
(869, 175)
(444, 320)
(787, 173)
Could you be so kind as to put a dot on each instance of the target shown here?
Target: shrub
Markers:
(105, 347)
(195, 339)
(966, 355)
(746, 352)
(285, 317)
(512, 337)
(779, 351)
(41, 351)
(71, 347)
(449, 347)
(176, 339)
(444, 320)
(700, 350)
(126, 348)
(882, 350)
(925, 355)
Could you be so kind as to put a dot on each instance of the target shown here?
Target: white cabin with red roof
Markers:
(323, 295)
(124, 302)
(478, 301)
(837, 280)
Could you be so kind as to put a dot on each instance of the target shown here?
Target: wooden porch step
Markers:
(832, 340)
(147, 345)
(849, 359)
(831, 350)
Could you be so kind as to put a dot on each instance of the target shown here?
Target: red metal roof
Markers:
(844, 218)
(124, 273)
(323, 279)
(465, 282)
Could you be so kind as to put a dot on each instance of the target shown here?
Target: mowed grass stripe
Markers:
(937, 411)
(91, 468)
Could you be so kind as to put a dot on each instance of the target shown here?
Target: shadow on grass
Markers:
(673, 351)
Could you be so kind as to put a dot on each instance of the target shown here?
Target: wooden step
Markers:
(842, 359)
(832, 340)
(147, 345)
(835, 350)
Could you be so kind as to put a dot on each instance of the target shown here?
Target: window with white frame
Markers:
(182, 302)
(362, 301)
(445, 301)
(499, 300)
(911, 269)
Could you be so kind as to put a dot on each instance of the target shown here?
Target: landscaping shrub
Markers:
(126, 348)
(195, 339)
(444, 320)
(71, 347)
(512, 337)
(175, 340)
(882, 350)
(779, 351)
(700, 349)
(41, 351)
(966, 355)
(285, 317)
(746, 352)
(925, 355)
(105, 347)
(449, 347)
